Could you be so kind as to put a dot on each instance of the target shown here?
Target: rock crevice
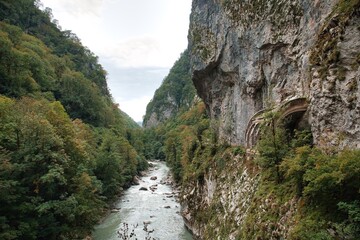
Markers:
(251, 55)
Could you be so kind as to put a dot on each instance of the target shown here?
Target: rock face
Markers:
(248, 56)
(221, 207)
(175, 94)
(166, 113)
(252, 55)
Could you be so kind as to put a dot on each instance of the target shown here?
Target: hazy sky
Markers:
(137, 42)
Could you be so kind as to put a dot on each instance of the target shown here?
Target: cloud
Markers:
(79, 7)
(135, 107)
(130, 83)
(138, 52)
(137, 41)
(132, 88)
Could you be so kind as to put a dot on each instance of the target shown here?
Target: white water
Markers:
(136, 207)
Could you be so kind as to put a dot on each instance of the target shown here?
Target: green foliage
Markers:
(273, 145)
(56, 173)
(351, 226)
(153, 140)
(40, 172)
(82, 99)
(175, 93)
(66, 150)
(26, 15)
(239, 151)
(329, 184)
(182, 144)
(312, 226)
(332, 179)
(116, 163)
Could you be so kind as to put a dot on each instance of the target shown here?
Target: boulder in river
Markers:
(115, 210)
(136, 181)
(153, 178)
(143, 189)
(167, 207)
(153, 187)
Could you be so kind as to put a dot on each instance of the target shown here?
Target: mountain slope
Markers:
(277, 157)
(66, 150)
(175, 94)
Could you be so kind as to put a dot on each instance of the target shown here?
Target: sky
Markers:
(137, 42)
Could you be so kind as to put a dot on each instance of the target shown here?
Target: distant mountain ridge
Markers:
(175, 94)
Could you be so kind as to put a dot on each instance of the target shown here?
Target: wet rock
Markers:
(114, 210)
(153, 187)
(136, 180)
(153, 178)
(143, 189)
(142, 173)
(167, 207)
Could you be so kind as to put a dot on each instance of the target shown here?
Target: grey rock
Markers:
(245, 61)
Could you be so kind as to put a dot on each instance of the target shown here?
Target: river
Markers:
(158, 209)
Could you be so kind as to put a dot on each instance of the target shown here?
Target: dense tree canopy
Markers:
(66, 150)
(176, 93)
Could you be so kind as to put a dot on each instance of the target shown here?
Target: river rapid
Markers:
(156, 208)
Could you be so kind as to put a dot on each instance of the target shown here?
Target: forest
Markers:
(66, 150)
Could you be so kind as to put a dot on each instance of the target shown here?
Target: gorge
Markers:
(258, 121)
(279, 81)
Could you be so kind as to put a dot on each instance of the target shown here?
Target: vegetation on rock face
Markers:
(175, 94)
(304, 193)
(66, 150)
(326, 185)
(247, 12)
(326, 55)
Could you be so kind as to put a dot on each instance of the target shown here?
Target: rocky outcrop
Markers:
(229, 205)
(175, 94)
(335, 77)
(252, 55)
(162, 114)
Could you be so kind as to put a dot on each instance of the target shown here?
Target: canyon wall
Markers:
(247, 56)
(251, 56)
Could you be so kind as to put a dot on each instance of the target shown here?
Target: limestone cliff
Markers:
(248, 56)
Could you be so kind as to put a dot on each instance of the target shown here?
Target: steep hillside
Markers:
(280, 79)
(279, 157)
(249, 56)
(175, 94)
(66, 150)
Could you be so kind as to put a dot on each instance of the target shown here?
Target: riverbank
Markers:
(152, 205)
